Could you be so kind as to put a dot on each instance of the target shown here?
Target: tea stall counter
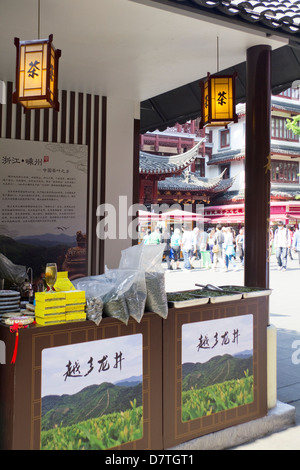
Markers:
(21, 383)
(163, 352)
(216, 334)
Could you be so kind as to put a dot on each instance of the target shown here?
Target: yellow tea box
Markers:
(75, 316)
(52, 320)
(75, 308)
(50, 305)
(49, 297)
(75, 301)
(63, 282)
(46, 312)
(75, 297)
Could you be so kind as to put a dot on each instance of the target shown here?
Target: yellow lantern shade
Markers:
(37, 74)
(218, 100)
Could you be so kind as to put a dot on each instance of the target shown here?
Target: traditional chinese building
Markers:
(214, 173)
(170, 179)
(228, 152)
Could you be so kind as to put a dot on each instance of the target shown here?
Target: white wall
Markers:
(237, 142)
(119, 171)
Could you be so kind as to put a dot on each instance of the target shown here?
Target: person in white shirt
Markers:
(196, 246)
(229, 249)
(187, 247)
(218, 251)
(203, 240)
(296, 243)
(282, 244)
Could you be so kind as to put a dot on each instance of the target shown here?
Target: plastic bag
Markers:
(130, 295)
(148, 259)
(13, 273)
(96, 288)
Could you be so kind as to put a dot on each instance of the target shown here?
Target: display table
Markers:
(21, 383)
(211, 347)
(171, 355)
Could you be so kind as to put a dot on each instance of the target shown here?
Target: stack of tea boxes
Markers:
(62, 305)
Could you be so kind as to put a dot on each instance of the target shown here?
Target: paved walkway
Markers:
(285, 316)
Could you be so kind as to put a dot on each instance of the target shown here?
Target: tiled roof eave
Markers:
(227, 159)
(277, 15)
(213, 185)
(292, 151)
(156, 164)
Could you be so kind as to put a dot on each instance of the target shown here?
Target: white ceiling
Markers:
(122, 48)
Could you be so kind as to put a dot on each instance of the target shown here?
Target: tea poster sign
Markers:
(92, 394)
(217, 365)
(43, 190)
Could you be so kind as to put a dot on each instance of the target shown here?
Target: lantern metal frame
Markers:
(47, 98)
(206, 115)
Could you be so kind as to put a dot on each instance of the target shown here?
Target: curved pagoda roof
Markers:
(189, 181)
(164, 166)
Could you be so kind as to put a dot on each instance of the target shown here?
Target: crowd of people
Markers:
(224, 245)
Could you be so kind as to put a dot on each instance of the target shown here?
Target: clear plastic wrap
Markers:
(147, 259)
(119, 293)
(130, 295)
(137, 285)
(13, 273)
(96, 288)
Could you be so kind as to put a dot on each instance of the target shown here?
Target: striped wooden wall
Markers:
(77, 122)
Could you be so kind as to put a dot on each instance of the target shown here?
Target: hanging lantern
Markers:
(218, 100)
(37, 74)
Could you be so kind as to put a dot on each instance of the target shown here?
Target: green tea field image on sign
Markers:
(217, 366)
(92, 394)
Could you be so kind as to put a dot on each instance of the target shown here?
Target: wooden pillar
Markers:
(257, 166)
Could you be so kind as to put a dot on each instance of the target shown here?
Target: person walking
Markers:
(296, 243)
(291, 236)
(166, 238)
(281, 243)
(146, 237)
(203, 240)
(218, 247)
(187, 247)
(155, 237)
(196, 246)
(240, 245)
(211, 243)
(229, 249)
(175, 245)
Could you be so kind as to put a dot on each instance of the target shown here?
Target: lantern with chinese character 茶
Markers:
(37, 74)
(218, 100)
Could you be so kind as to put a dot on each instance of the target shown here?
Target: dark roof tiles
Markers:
(189, 181)
(280, 14)
(156, 164)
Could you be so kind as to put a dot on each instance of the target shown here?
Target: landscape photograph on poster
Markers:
(92, 394)
(217, 366)
(43, 189)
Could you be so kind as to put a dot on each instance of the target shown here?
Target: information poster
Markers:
(43, 190)
(217, 366)
(92, 394)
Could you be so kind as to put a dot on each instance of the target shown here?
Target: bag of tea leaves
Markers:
(96, 289)
(131, 291)
(148, 259)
